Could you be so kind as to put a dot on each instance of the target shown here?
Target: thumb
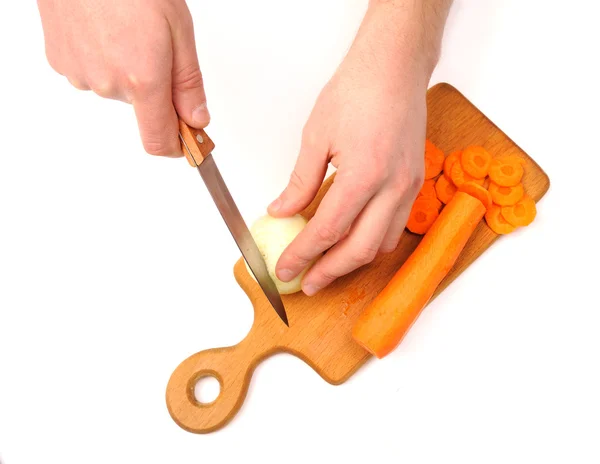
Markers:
(189, 98)
(304, 183)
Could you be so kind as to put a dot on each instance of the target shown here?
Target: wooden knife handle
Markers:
(196, 144)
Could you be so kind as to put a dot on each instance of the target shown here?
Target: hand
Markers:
(370, 123)
(137, 51)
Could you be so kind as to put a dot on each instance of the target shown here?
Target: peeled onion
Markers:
(272, 236)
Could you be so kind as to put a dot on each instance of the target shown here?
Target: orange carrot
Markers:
(386, 320)
(428, 189)
(434, 160)
(521, 214)
(477, 191)
(449, 161)
(459, 176)
(445, 189)
(496, 222)
(424, 212)
(506, 171)
(506, 196)
(475, 161)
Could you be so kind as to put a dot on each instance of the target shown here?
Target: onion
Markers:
(272, 236)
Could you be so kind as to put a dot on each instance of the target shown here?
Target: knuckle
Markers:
(327, 234)
(364, 255)
(103, 86)
(188, 77)
(156, 147)
(325, 276)
(368, 180)
(54, 62)
(309, 138)
(296, 181)
(141, 83)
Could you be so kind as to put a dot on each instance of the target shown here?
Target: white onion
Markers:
(272, 236)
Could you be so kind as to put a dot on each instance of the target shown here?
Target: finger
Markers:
(305, 180)
(359, 249)
(157, 121)
(345, 199)
(188, 85)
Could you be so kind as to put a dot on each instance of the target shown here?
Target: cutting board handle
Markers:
(224, 364)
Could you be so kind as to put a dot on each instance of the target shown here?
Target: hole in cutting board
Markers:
(207, 389)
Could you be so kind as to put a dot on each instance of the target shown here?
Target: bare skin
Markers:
(369, 120)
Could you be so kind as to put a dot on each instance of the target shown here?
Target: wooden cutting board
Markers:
(320, 327)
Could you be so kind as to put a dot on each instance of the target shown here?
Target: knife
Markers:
(197, 148)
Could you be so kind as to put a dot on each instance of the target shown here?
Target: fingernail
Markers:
(276, 205)
(311, 289)
(285, 275)
(200, 115)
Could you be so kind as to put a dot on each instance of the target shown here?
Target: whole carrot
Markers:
(384, 323)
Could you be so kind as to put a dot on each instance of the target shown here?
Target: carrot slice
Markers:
(459, 176)
(475, 161)
(445, 189)
(506, 196)
(506, 171)
(521, 214)
(434, 160)
(428, 189)
(477, 191)
(389, 316)
(496, 222)
(423, 214)
(449, 161)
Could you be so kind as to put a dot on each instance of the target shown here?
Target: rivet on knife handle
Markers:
(195, 144)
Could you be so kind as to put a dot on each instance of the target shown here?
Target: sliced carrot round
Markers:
(445, 189)
(506, 196)
(506, 171)
(522, 213)
(475, 161)
(434, 160)
(422, 215)
(449, 161)
(477, 191)
(496, 222)
(459, 176)
(428, 189)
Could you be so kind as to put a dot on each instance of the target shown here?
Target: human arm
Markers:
(141, 52)
(369, 121)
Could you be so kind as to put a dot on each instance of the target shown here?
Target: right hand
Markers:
(141, 52)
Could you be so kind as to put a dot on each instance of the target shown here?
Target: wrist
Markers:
(407, 33)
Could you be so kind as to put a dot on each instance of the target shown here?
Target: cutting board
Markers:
(320, 326)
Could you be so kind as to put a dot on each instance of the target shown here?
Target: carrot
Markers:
(387, 319)
(445, 189)
(459, 176)
(496, 222)
(477, 191)
(506, 196)
(449, 161)
(428, 189)
(475, 161)
(521, 214)
(434, 160)
(506, 171)
(424, 212)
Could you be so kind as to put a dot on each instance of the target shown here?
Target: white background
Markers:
(115, 266)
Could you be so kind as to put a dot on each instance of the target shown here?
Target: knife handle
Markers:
(195, 143)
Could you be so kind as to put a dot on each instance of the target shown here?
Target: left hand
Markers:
(369, 122)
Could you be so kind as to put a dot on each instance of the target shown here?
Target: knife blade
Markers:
(197, 148)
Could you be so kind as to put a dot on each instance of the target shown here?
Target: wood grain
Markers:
(196, 144)
(320, 327)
